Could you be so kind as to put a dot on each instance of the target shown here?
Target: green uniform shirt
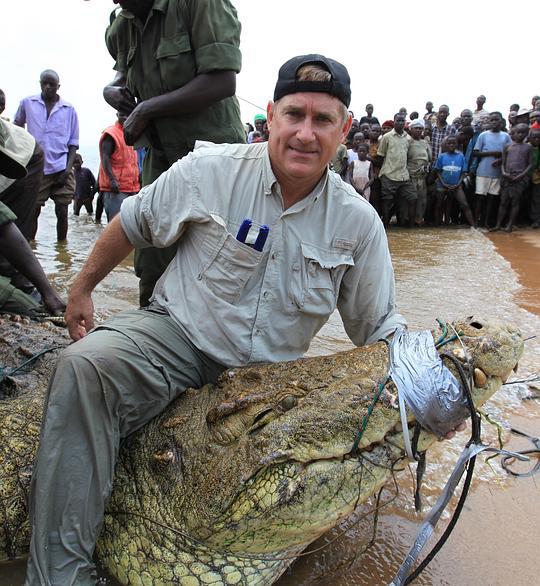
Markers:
(180, 40)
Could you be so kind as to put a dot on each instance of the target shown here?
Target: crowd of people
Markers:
(481, 169)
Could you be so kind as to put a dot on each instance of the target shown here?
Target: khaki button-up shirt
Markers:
(394, 147)
(240, 305)
(180, 40)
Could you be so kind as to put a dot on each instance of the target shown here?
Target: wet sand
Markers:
(522, 250)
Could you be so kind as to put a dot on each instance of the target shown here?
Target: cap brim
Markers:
(10, 167)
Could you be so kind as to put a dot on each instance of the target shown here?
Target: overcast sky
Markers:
(398, 54)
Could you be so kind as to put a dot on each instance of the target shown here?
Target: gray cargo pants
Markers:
(105, 387)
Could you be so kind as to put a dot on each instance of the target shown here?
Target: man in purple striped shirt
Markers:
(54, 124)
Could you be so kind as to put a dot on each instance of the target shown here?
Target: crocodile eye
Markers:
(288, 402)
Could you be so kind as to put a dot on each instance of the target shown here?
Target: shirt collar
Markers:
(61, 102)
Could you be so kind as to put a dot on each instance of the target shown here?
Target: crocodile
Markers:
(234, 480)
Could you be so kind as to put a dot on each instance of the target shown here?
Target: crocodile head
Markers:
(236, 478)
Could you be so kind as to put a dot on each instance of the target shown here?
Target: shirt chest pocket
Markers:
(176, 62)
(228, 267)
(315, 279)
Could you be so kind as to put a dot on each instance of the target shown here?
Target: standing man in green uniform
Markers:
(176, 64)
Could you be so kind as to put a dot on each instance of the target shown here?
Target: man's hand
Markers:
(79, 315)
(119, 98)
(135, 124)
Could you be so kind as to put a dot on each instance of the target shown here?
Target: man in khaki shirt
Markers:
(229, 297)
(396, 183)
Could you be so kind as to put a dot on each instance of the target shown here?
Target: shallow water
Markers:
(439, 273)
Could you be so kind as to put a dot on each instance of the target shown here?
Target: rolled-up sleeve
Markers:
(74, 129)
(158, 214)
(366, 300)
(215, 36)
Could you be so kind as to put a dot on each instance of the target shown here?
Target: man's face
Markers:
(399, 123)
(369, 110)
(442, 114)
(480, 101)
(77, 162)
(466, 118)
(495, 122)
(259, 124)
(49, 85)
(305, 131)
(429, 106)
(416, 132)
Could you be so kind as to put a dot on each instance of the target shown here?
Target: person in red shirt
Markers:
(119, 171)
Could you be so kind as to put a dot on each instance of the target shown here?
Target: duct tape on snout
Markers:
(425, 384)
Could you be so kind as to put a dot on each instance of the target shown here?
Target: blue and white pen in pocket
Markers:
(262, 236)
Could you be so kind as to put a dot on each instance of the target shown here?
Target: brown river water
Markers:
(440, 273)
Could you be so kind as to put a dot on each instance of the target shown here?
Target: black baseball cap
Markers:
(339, 86)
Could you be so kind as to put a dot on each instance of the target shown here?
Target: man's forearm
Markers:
(71, 157)
(199, 93)
(18, 252)
(111, 248)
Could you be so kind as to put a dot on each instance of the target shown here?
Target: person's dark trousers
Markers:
(375, 196)
(535, 205)
(20, 197)
(86, 202)
(150, 263)
(99, 207)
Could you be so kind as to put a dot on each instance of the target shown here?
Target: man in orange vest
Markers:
(118, 171)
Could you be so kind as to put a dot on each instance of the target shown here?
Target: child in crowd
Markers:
(450, 170)
(85, 187)
(534, 141)
(375, 133)
(361, 173)
(516, 166)
(488, 149)
(374, 139)
(358, 139)
(418, 163)
(365, 128)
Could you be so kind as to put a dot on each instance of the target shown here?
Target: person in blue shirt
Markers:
(450, 169)
(488, 150)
